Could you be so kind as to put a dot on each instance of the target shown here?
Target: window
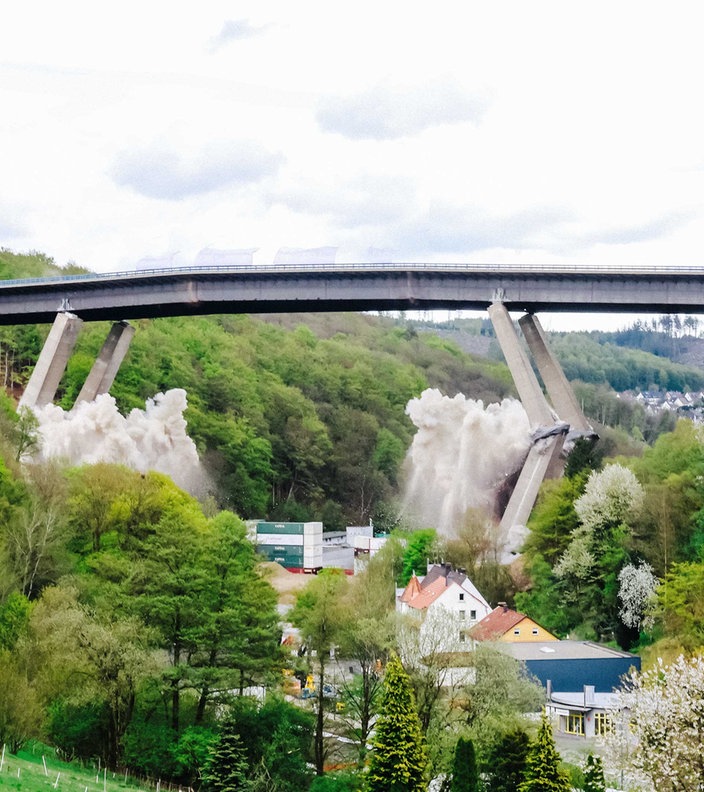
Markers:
(534, 631)
(462, 636)
(517, 631)
(462, 614)
(461, 596)
(473, 615)
(574, 723)
(602, 724)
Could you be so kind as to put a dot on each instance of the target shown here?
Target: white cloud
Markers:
(388, 112)
(159, 171)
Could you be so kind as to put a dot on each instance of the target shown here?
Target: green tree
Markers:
(680, 608)
(543, 771)
(502, 693)
(226, 768)
(235, 641)
(20, 709)
(320, 615)
(465, 772)
(594, 774)
(421, 547)
(506, 762)
(398, 762)
(366, 637)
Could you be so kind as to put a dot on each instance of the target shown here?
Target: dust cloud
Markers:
(151, 439)
(460, 457)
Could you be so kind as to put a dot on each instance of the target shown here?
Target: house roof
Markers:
(412, 590)
(496, 624)
(562, 650)
(422, 592)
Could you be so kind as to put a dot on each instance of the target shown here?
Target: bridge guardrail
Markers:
(273, 269)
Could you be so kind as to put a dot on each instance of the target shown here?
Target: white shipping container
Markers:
(313, 528)
(282, 539)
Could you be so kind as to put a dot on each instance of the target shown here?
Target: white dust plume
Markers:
(151, 439)
(460, 457)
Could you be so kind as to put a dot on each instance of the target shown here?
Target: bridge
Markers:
(70, 300)
(239, 289)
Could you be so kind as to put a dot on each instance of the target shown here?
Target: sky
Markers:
(506, 132)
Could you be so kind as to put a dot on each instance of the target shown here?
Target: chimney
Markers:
(504, 607)
(548, 689)
(589, 695)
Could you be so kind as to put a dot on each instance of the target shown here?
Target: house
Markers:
(504, 624)
(580, 678)
(447, 603)
(582, 714)
(570, 665)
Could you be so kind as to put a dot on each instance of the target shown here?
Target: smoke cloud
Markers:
(151, 439)
(461, 455)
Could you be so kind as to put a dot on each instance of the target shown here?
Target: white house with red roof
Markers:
(447, 602)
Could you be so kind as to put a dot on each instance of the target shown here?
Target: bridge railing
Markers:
(332, 268)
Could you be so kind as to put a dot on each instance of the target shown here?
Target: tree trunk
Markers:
(319, 747)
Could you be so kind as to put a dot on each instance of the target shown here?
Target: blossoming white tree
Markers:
(660, 715)
(611, 496)
(637, 594)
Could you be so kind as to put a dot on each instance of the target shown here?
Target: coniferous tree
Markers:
(227, 769)
(399, 758)
(465, 773)
(543, 771)
(507, 762)
(594, 774)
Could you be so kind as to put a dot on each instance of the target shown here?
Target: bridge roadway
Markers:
(242, 289)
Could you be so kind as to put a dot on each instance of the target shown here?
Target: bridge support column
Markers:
(544, 460)
(108, 362)
(556, 383)
(529, 391)
(52, 361)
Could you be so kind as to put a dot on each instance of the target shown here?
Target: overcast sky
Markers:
(529, 132)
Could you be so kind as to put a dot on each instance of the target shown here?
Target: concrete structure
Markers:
(52, 361)
(108, 362)
(544, 457)
(362, 287)
(550, 424)
(556, 383)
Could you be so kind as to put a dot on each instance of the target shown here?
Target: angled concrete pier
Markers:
(556, 383)
(52, 361)
(550, 424)
(108, 362)
(529, 391)
(543, 457)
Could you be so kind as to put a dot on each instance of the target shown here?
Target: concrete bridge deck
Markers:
(353, 287)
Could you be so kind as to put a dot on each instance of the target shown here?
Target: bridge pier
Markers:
(52, 361)
(107, 364)
(550, 425)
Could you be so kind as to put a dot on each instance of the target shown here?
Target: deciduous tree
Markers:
(662, 710)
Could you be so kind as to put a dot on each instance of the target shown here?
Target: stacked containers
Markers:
(296, 546)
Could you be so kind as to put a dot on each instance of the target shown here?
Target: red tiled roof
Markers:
(496, 624)
(412, 590)
(428, 594)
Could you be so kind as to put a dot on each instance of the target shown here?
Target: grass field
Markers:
(26, 772)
